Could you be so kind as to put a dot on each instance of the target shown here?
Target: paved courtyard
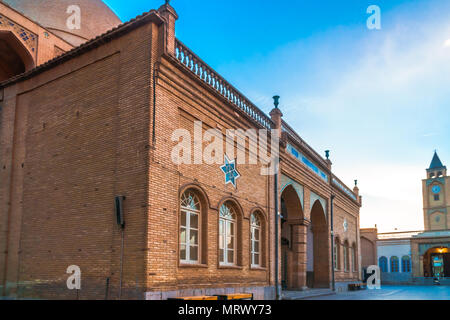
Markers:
(393, 293)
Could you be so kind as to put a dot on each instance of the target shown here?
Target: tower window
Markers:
(436, 197)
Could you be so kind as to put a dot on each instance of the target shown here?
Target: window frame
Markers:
(189, 211)
(224, 234)
(394, 261)
(259, 228)
(406, 259)
(353, 258)
(384, 267)
(346, 257)
(337, 258)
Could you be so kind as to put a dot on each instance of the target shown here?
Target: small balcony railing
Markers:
(191, 61)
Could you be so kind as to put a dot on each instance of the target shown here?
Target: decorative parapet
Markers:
(398, 235)
(297, 154)
(346, 190)
(192, 62)
(29, 38)
(298, 140)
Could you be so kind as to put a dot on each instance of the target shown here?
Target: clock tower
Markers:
(436, 196)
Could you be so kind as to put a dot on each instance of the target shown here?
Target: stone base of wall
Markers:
(396, 278)
(421, 281)
(408, 279)
(342, 286)
(259, 293)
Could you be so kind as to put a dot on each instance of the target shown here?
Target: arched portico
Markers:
(14, 56)
(436, 262)
(320, 277)
(293, 240)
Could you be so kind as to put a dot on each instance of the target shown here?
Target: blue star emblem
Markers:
(231, 174)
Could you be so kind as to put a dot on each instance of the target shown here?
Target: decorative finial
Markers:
(356, 183)
(276, 101)
(168, 2)
(327, 154)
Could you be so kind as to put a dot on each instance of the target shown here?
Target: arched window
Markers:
(382, 262)
(337, 258)
(346, 256)
(394, 264)
(256, 236)
(354, 262)
(227, 234)
(406, 264)
(190, 228)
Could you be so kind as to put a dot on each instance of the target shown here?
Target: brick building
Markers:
(417, 256)
(90, 116)
(369, 238)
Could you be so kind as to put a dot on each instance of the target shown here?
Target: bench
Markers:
(198, 298)
(356, 286)
(235, 296)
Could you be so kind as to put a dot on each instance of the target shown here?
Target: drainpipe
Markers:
(277, 287)
(276, 116)
(333, 281)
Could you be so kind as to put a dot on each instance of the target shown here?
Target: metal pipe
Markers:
(121, 262)
(333, 281)
(277, 289)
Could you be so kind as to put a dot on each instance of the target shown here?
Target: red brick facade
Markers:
(97, 123)
(369, 256)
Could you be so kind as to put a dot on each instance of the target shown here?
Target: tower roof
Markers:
(436, 162)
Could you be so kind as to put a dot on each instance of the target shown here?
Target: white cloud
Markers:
(377, 99)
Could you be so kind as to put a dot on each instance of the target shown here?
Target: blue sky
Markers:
(378, 99)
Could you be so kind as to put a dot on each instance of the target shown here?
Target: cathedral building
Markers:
(88, 118)
(416, 256)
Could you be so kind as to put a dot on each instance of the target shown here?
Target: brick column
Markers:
(299, 238)
(169, 14)
(276, 116)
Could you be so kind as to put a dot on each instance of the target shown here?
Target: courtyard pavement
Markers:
(393, 293)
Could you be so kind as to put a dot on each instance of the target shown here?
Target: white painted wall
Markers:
(390, 248)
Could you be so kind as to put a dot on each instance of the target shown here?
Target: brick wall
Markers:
(80, 138)
(84, 131)
(180, 102)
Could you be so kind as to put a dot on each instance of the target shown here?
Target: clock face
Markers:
(436, 189)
